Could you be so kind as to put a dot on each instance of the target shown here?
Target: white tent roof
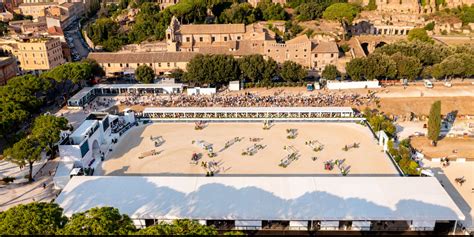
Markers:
(138, 86)
(246, 109)
(263, 198)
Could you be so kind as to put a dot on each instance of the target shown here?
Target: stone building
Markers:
(8, 69)
(161, 62)
(38, 54)
(185, 41)
(36, 9)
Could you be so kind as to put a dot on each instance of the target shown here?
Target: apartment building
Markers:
(40, 53)
(36, 9)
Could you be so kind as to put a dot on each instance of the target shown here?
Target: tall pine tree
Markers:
(434, 122)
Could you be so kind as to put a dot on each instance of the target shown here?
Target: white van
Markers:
(428, 84)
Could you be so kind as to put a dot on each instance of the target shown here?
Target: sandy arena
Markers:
(175, 153)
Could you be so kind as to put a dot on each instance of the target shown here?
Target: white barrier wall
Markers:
(336, 85)
(201, 91)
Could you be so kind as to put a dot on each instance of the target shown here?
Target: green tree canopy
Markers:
(144, 74)
(272, 11)
(47, 130)
(309, 11)
(458, 65)
(342, 12)
(99, 221)
(419, 34)
(380, 66)
(428, 54)
(292, 72)
(212, 69)
(330, 72)
(434, 122)
(25, 152)
(407, 67)
(356, 68)
(179, 227)
(256, 69)
(76, 72)
(239, 13)
(37, 218)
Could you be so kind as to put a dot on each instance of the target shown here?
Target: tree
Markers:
(46, 130)
(25, 152)
(76, 72)
(458, 65)
(434, 122)
(330, 72)
(179, 227)
(99, 221)
(238, 13)
(177, 74)
(256, 69)
(342, 12)
(144, 74)
(214, 69)
(380, 66)
(407, 67)
(309, 11)
(292, 72)
(272, 11)
(427, 53)
(372, 5)
(37, 218)
(356, 68)
(430, 26)
(420, 35)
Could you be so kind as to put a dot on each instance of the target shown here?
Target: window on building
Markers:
(332, 55)
(225, 38)
(213, 39)
(168, 64)
(126, 65)
(200, 39)
(269, 51)
(108, 64)
(121, 65)
(305, 50)
(188, 39)
(316, 55)
(238, 37)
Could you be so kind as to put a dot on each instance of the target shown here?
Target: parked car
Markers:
(428, 84)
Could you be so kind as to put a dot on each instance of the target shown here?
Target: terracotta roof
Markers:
(54, 30)
(298, 39)
(212, 29)
(145, 57)
(326, 47)
(66, 4)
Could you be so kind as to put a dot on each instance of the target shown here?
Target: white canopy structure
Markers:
(87, 94)
(247, 199)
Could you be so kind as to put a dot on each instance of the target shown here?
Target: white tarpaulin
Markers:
(423, 224)
(248, 223)
(361, 225)
(263, 198)
(329, 225)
